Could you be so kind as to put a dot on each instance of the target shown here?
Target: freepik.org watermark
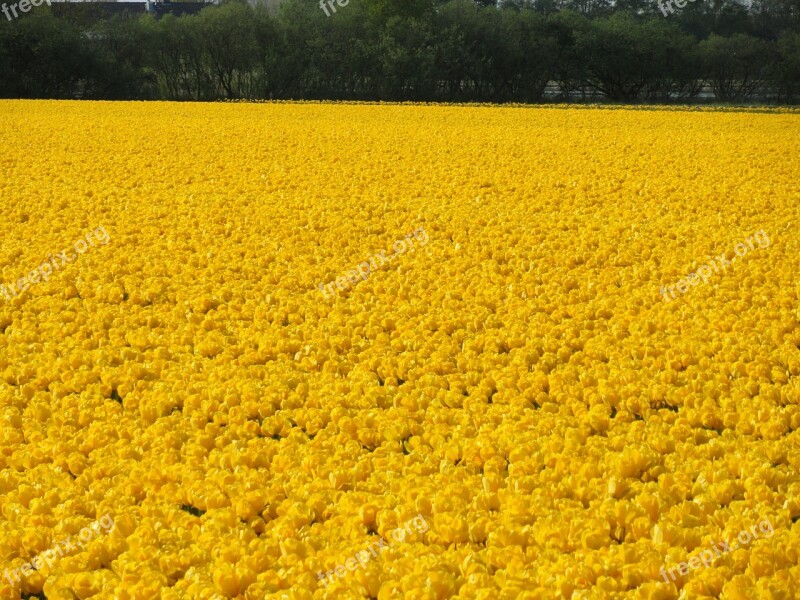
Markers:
(362, 557)
(61, 549)
(325, 5)
(363, 269)
(709, 555)
(24, 6)
(721, 263)
(678, 3)
(43, 271)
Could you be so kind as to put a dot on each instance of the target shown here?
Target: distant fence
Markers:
(705, 93)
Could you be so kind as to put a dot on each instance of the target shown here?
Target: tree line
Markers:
(414, 50)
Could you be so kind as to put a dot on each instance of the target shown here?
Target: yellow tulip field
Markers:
(352, 351)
